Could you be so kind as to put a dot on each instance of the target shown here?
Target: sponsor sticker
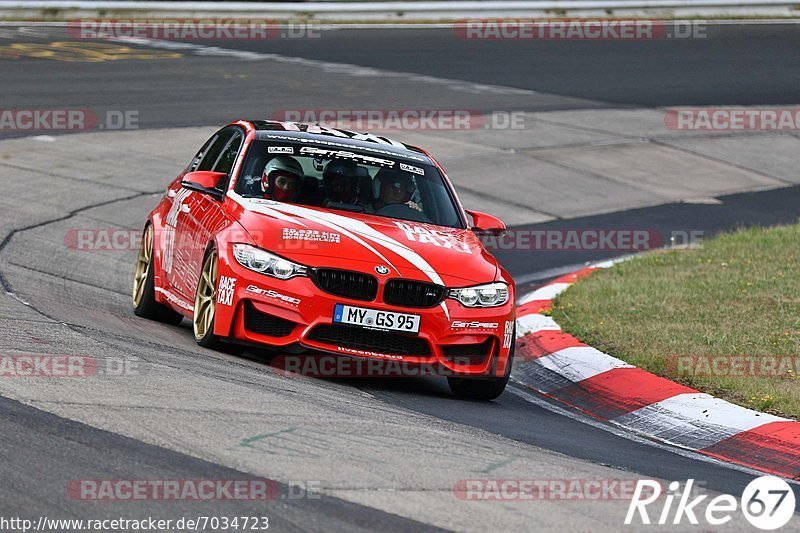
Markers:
(460, 324)
(508, 334)
(344, 154)
(311, 235)
(323, 142)
(227, 286)
(412, 168)
(280, 150)
(368, 353)
(441, 239)
(274, 295)
(175, 299)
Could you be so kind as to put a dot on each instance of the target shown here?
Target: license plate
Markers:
(373, 318)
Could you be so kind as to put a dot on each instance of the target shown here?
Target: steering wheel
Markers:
(404, 212)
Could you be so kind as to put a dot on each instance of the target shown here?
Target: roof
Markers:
(316, 132)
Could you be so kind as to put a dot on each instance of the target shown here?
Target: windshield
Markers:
(347, 180)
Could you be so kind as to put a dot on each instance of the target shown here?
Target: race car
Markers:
(304, 238)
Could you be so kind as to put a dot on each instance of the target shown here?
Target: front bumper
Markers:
(259, 309)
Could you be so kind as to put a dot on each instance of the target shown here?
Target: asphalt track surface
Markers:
(740, 65)
(733, 65)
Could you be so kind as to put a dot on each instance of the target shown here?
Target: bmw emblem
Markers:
(382, 270)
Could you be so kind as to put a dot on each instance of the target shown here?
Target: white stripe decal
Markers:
(580, 362)
(364, 230)
(535, 322)
(264, 209)
(175, 299)
(259, 208)
(548, 292)
(316, 217)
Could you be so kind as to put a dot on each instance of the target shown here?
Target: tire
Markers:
(483, 389)
(205, 303)
(203, 327)
(144, 286)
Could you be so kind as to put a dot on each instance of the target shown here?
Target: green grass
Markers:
(737, 295)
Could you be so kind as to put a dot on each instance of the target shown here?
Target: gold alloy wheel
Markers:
(143, 263)
(205, 299)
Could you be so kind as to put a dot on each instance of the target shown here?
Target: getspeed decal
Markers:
(367, 352)
(274, 295)
(344, 154)
(321, 142)
(460, 324)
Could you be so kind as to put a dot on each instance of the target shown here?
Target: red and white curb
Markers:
(561, 367)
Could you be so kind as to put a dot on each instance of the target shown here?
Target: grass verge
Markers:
(724, 318)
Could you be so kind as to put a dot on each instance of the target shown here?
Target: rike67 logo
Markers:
(767, 502)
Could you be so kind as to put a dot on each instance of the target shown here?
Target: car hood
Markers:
(320, 237)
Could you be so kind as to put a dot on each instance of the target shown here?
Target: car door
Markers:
(181, 227)
(206, 216)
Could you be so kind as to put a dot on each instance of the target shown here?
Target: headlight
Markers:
(490, 295)
(266, 263)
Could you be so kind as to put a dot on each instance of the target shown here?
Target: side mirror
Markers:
(205, 182)
(483, 222)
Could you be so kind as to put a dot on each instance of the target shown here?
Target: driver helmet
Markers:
(282, 179)
(340, 180)
(389, 181)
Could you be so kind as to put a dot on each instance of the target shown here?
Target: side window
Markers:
(228, 157)
(199, 157)
(215, 149)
